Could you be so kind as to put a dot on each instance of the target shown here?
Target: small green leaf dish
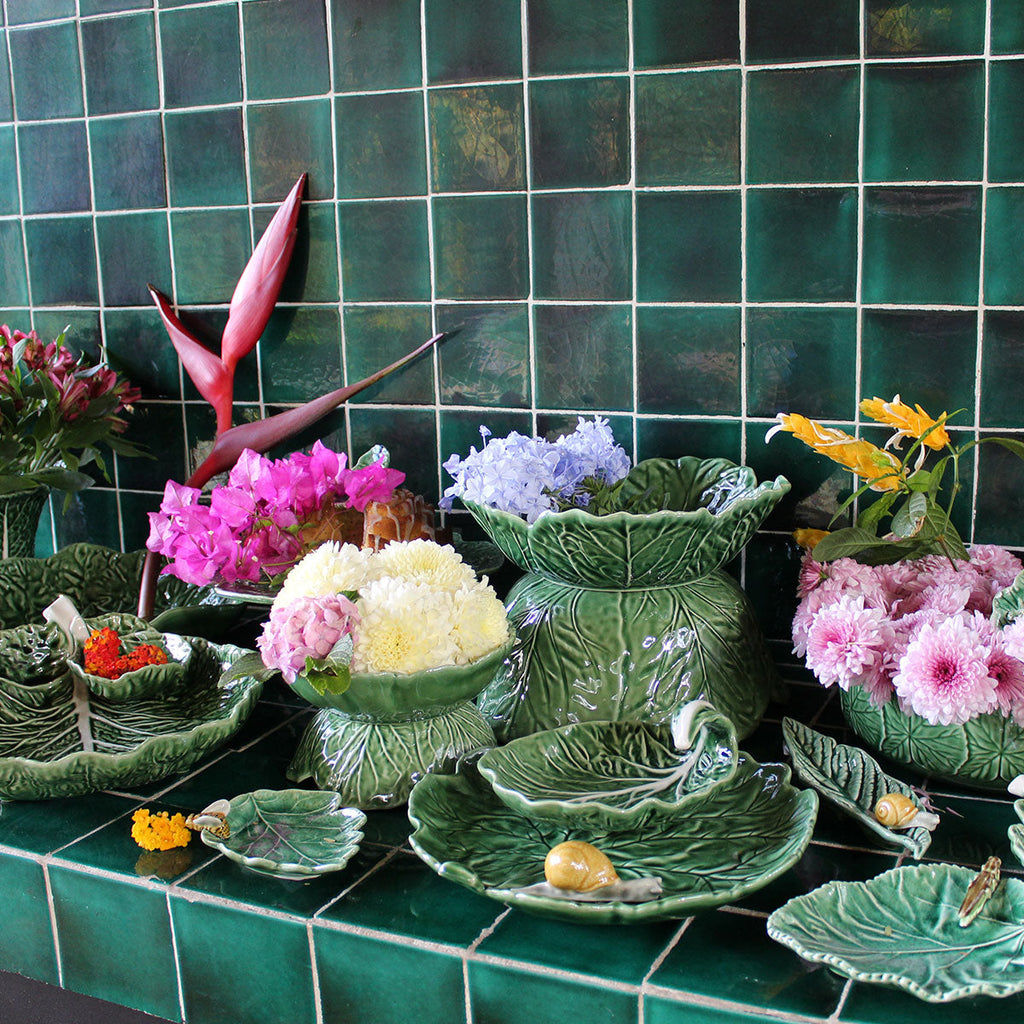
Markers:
(851, 780)
(735, 840)
(901, 929)
(294, 834)
(611, 775)
(1016, 832)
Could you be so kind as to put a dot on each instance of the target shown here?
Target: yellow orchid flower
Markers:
(907, 422)
(864, 458)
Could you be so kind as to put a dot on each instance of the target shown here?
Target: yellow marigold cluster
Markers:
(907, 422)
(159, 831)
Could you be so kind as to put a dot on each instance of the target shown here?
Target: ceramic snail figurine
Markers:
(578, 866)
(1016, 786)
(895, 810)
(979, 891)
(213, 819)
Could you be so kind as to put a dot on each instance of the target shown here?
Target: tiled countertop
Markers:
(188, 935)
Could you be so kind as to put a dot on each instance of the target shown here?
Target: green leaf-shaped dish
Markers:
(290, 833)
(42, 749)
(686, 518)
(742, 835)
(1016, 832)
(853, 781)
(901, 929)
(610, 775)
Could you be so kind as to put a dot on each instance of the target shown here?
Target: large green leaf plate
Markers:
(745, 833)
(290, 833)
(43, 739)
(1016, 832)
(851, 780)
(686, 518)
(901, 929)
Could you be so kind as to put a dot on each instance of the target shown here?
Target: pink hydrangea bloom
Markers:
(307, 627)
(846, 641)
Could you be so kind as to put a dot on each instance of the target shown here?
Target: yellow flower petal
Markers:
(906, 421)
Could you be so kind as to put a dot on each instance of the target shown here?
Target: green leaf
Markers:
(378, 453)
(907, 522)
(873, 514)
(326, 676)
(844, 544)
(1011, 445)
(249, 666)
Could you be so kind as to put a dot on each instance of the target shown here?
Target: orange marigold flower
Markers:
(864, 458)
(102, 657)
(906, 421)
(159, 831)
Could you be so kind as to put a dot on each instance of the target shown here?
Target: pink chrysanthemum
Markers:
(944, 675)
(812, 573)
(996, 562)
(1008, 672)
(802, 619)
(846, 641)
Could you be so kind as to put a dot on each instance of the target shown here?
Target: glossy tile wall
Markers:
(687, 215)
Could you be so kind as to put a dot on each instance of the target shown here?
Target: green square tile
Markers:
(9, 198)
(582, 244)
(828, 29)
(313, 269)
(128, 162)
(1006, 120)
(898, 357)
(802, 125)
(376, 46)
(470, 40)
(13, 279)
(298, 361)
(201, 56)
(502, 995)
(135, 509)
(584, 357)
(376, 336)
(688, 360)
(1004, 259)
(373, 987)
(565, 39)
(44, 826)
(688, 247)
(662, 1010)
(921, 245)
(877, 1004)
(206, 960)
(384, 251)
(274, 33)
(45, 66)
(27, 11)
(26, 942)
(205, 157)
(899, 29)
(579, 132)
(802, 244)
(924, 122)
(410, 435)
(688, 128)
(1007, 26)
(45, 147)
(287, 140)
(119, 56)
(674, 438)
(486, 362)
(210, 249)
(44, 541)
(381, 148)
(131, 964)
(111, 6)
(1002, 364)
(751, 973)
(802, 360)
(82, 327)
(6, 98)
(72, 278)
(772, 565)
(134, 249)
(669, 33)
(138, 346)
(151, 421)
(1000, 505)
(480, 247)
(92, 516)
(477, 140)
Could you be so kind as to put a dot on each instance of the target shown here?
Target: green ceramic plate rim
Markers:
(1015, 833)
(321, 801)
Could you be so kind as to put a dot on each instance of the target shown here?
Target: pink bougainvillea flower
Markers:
(846, 641)
(375, 482)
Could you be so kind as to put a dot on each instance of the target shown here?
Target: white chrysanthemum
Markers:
(424, 561)
(404, 627)
(480, 623)
(329, 569)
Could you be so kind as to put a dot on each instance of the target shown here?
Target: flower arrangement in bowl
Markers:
(924, 637)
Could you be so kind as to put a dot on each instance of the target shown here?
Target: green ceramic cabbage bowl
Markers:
(1015, 833)
(687, 517)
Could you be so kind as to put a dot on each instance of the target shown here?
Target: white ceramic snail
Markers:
(896, 810)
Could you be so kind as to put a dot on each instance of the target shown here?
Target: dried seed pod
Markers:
(895, 810)
(212, 818)
(979, 891)
(579, 867)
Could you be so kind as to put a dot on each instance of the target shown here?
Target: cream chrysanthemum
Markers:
(404, 627)
(424, 561)
(332, 568)
(480, 624)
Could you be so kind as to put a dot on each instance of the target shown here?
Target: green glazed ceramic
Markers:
(1015, 833)
(58, 740)
(611, 775)
(742, 835)
(687, 517)
(987, 752)
(901, 929)
(290, 833)
(19, 522)
(852, 781)
(628, 655)
(374, 741)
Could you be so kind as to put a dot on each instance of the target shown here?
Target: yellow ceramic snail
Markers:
(579, 867)
(895, 810)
